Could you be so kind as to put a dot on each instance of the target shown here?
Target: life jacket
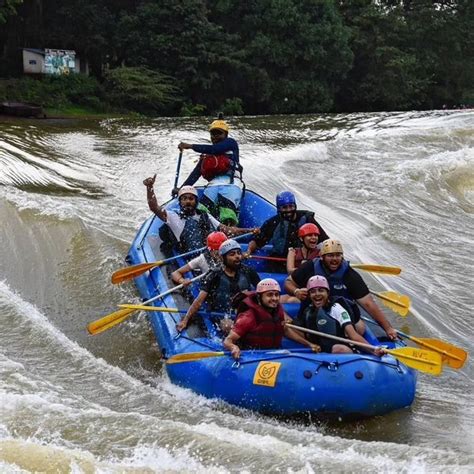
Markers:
(269, 330)
(193, 235)
(335, 279)
(322, 321)
(339, 291)
(300, 259)
(215, 165)
(221, 298)
(282, 234)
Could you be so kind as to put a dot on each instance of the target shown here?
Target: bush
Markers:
(188, 109)
(233, 106)
(140, 89)
(53, 91)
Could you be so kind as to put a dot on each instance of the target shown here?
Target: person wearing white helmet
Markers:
(190, 226)
(218, 164)
(343, 281)
(329, 317)
(260, 322)
(221, 284)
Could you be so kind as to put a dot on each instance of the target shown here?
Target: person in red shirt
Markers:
(260, 322)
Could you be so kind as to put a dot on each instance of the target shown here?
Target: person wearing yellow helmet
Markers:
(344, 282)
(218, 164)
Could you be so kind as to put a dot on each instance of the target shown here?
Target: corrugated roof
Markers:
(34, 50)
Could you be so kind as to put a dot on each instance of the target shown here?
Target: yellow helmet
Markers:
(220, 124)
(331, 246)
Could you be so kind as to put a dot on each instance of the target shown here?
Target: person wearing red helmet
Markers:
(309, 236)
(328, 316)
(208, 259)
(260, 322)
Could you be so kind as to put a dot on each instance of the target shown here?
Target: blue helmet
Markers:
(227, 246)
(284, 198)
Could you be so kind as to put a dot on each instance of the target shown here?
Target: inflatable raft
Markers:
(286, 381)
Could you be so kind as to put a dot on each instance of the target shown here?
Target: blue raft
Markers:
(287, 381)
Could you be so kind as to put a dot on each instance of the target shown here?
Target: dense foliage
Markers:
(258, 56)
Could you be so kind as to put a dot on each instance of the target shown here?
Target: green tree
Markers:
(8, 8)
(295, 53)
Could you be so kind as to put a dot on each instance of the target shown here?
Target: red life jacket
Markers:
(214, 165)
(269, 330)
(299, 259)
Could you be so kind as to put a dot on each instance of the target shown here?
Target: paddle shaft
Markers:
(171, 290)
(178, 169)
(170, 259)
(362, 266)
(133, 271)
(117, 317)
(164, 309)
(336, 338)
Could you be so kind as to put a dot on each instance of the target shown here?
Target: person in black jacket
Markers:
(281, 231)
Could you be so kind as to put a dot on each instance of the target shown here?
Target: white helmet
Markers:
(187, 190)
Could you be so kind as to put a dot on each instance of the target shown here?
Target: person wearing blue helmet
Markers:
(222, 283)
(281, 231)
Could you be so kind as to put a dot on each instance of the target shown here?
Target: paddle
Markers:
(192, 356)
(164, 309)
(452, 355)
(127, 273)
(112, 319)
(425, 361)
(372, 268)
(395, 301)
(178, 168)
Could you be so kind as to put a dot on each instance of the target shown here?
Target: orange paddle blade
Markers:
(124, 274)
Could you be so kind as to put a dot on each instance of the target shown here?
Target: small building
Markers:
(53, 61)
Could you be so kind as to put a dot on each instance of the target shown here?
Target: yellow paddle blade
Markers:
(395, 301)
(109, 321)
(192, 356)
(142, 307)
(453, 356)
(127, 273)
(373, 268)
(419, 359)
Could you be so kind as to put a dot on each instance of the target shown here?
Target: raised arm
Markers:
(151, 198)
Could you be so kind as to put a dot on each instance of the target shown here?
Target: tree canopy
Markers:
(257, 56)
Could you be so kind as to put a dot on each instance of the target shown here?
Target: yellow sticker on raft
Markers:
(266, 373)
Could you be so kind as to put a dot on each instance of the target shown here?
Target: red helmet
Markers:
(215, 239)
(307, 229)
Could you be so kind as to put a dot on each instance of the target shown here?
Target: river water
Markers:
(396, 188)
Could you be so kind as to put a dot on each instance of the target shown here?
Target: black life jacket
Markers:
(321, 320)
(221, 299)
(283, 232)
(193, 235)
